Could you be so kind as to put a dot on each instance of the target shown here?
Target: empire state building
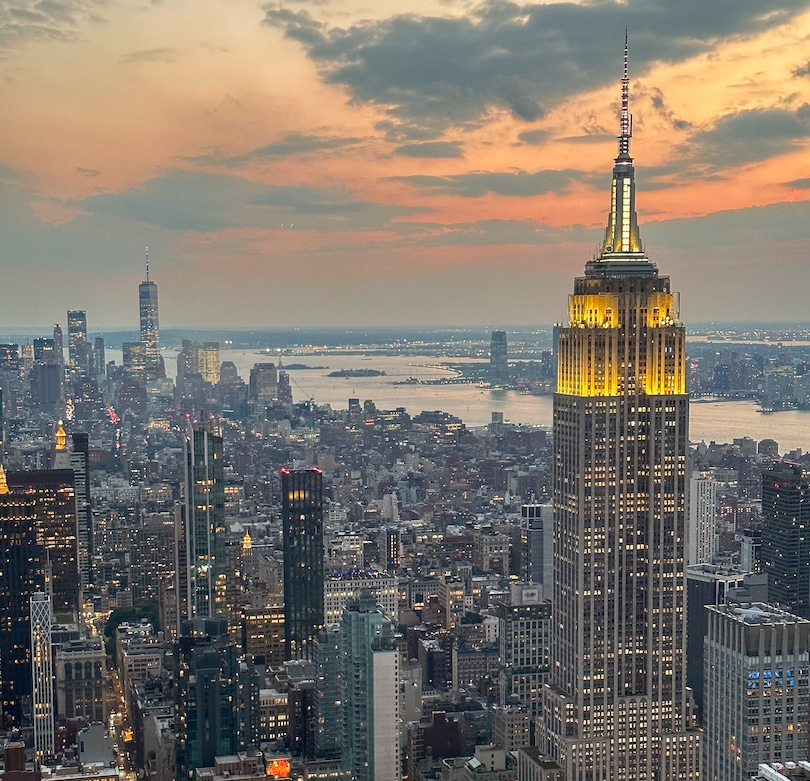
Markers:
(616, 707)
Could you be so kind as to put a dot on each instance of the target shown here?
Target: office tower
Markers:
(78, 459)
(370, 680)
(389, 548)
(42, 669)
(150, 326)
(209, 362)
(703, 537)
(284, 388)
(523, 658)
(43, 350)
(101, 356)
(340, 587)
(46, 387)
(756, 689)
(54, 505)
(785, 552)
(498, 368)
(616, 706)
(263, 633)
(58, 344)
(302, 514)
(263, 384)
(22, 574)
(706, 584)
(205, 537)
(537, 545)
(206, 695)
(78, 348)
(328, 694)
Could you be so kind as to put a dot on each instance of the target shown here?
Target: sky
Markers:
(341, 162)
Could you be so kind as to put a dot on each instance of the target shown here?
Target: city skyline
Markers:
(405, 165)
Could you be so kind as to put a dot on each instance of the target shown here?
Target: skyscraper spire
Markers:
(622, 236)
(147, 249)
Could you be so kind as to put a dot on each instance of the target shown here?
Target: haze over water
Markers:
(709, 421)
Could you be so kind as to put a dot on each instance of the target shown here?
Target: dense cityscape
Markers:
(208, 574)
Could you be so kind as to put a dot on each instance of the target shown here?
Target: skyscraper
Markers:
(302, 512)
(150, 327)
(22, 574)
(204, 528)
(42, 668)
(616, 707)
(703, 537)
(77, 339)
(785, 553)
(370, 701)
(498, 356)
(756, 681)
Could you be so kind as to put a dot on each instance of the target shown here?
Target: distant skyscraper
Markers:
(54, 505)
(616, 706)
(370, 702)
(703, 537)
(77, 339)
(785, 552)
(58, 344)
(302, 512)
(150, 326)
(263, 382)
(207, 695)
(498, 367)
(101, 356)
(205, 542)
(22, 574)
(209, 362)
(756, 690)
(42, 668)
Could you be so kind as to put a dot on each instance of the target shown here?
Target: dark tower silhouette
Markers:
(302, 510)
(498, 357)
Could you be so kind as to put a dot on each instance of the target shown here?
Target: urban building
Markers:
(42, 670)
(204, 527)
(756, 689)
(616, 703)
(78, 347)
(498, 365)
(79, 667)
(54, 504)
(207, 695)
(263, 384)
(342, 586)
(537, 545)
(22, 565)
(150, 325)
(370, 703)
(703, 536)
(302, 516)
(785, 551)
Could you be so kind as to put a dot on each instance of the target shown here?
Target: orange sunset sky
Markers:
(338, 162)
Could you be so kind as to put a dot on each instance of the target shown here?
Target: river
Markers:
(719, 421)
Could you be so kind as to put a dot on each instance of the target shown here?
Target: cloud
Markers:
(475, 185)
(25, 21)
(802, 184)
(749, 136)
(437, 149)
(802, 70)
(501, 233)
(87, 171)
(430, 73)
(534, 137)
(289, 145)
(150, 55)
(206, 202)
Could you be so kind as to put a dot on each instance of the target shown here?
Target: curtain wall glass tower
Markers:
(150, 327)
(616, 705)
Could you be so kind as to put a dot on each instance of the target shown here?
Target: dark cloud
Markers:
(749, 136)
(802, 70)
(436, 149)
(588, 138)
(534, 137)
(87, 171)
(22, 21)
(205, 202)
(475, 185)
(802, 184)
(662, 110)
(289, 145)
(431, 73)
(150, 55)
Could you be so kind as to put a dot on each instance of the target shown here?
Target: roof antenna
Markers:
(147, 249)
